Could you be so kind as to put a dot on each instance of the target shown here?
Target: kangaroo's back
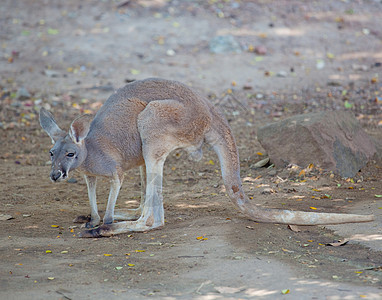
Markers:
(114, 129)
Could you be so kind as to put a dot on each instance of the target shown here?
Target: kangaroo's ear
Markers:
(49, 124)
(79, 128)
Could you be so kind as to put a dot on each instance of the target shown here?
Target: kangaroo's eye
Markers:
(51, 153)
(70, 154)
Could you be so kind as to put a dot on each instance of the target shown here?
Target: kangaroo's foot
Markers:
(118, 228)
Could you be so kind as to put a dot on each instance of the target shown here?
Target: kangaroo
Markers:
(139, 126)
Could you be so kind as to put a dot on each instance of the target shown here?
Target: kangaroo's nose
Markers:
(55, 175)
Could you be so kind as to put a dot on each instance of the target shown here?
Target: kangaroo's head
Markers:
(69, 150)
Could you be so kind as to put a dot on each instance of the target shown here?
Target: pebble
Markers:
(282, 74)
(22, 94)
(72, 180)
(260, 50)
(51, 73)
(170, 52)
(224, 44)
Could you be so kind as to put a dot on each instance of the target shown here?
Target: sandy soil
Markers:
(69, 57)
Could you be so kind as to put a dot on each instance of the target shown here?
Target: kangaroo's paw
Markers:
(82, 219)
(103, 230)
(89, 225)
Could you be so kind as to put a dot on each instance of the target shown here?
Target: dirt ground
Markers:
(294, 57)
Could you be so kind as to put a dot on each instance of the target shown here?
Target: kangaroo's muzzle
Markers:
(58, 175)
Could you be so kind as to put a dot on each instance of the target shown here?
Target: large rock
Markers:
(334, 141)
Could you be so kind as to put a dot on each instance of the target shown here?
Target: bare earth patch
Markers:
(70, 57)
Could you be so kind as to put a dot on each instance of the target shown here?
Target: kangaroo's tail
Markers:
(221, 139)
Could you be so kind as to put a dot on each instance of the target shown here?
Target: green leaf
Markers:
(347, 104)
(52, 31)
(378, 196)
(286, 291)
(135, 71)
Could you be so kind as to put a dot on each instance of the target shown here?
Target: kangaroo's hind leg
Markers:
(133, 214)
(160, 133)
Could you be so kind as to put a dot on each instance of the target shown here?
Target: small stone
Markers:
(260, 50)
(356, 67)
(72, 180)
(224, 44)
(320, 64)
(51, 73)
(282, 74)
(268, 191)
(22, 94)
(170, 52)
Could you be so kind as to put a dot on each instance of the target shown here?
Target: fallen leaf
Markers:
(227, 290)
(286, 291)
(52, 31)
(294, 228)
(378, 196)
(261, 163)
(135, 71)
(286, 250)
(131, 265)
(48, 251)
(140, 251)
(338, 243)
(5, 217)
(118, 268)
(107, 254)
(54, 226)
(313, 207)
(51, 278)
(347, 104)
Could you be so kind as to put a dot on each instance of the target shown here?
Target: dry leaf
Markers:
(302, 173)
(294, 228)
(338, 243)
(5, 217)
(261, 163)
